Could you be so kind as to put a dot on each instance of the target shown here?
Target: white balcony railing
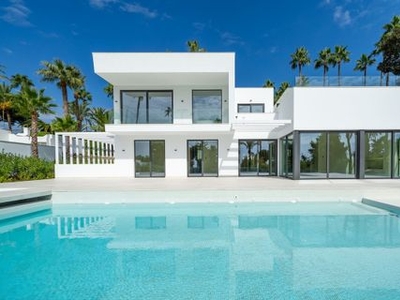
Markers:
(84, 148)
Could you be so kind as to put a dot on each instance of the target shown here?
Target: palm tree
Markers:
(324, 60)
(385, 67)
(80, 110)
(6, 97)
(193, 46)
(31, 103)
(300, 58)
(340, 56)
(392, 25)
(284, 85)
(64, 124)
(363, 63)
(109, 90)
(269, 83)
(98, 118)
(20, 81)
(2, 72)
(63, 75)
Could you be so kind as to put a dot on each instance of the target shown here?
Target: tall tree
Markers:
(20, 81)
(193, 46)
(31, 103)
(80, 106)
(362, 65)
(300, 58)
(324, 60)
(64, 124)
(341, 55)
(65, 76)
(6, 101)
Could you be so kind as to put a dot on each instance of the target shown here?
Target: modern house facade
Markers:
(180, 115)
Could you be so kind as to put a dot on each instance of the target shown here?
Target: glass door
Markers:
(202, 158)
(149, 158)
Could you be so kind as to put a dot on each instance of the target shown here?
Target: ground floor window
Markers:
(328, 154)
(202, 157)
(396, 155)
(257, 157)
(150, 158)
(378, 153)
(286, 155)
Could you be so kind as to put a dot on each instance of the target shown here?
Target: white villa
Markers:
(180, 115)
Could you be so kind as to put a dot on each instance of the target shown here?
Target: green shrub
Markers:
(18, 168)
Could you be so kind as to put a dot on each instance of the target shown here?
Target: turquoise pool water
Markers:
(202, 251)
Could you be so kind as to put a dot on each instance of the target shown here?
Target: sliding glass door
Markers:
(202, 158)
(257, 158)
(150, 158)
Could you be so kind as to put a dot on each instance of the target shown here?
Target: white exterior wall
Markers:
(175, 155)
(346, 108)
(256, 96)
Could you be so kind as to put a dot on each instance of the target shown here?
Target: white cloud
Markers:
(341, 16)
(7, 50)
(199, 26)
(230, 39)
(273, 49)
(139, 9)
(16, 13)
(101, 3)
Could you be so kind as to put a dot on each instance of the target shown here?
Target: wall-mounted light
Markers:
(228, 149)
(175, 150)
(251, 100)
(182, 101)
(225, 100)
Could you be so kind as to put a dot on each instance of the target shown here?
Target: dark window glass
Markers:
(153, 107)
(149, 158)
(257, 157)
(378, 149)
(203, 158)
(313, 155)
(250, 108)
(342, 154)
(207, 106)
(396, 157)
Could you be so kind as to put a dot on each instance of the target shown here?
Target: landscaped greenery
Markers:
(15, 168)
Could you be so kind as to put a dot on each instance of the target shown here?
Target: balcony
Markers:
(334, 81)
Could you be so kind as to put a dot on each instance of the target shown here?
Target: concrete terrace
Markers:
(221, 189)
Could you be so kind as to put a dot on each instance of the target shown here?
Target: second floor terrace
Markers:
(354, 81)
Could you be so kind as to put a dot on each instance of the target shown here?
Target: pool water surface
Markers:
(202, 251)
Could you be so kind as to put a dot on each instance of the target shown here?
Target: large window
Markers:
(342, 154)
(203, 158)
(378, 152)
(396, 155)
(257, 157)
(146, 107)
(150, 158)
(287, 156)
(328, 154)
(250, 108)
(207, 106)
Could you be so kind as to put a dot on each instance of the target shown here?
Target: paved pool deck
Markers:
(220, 189)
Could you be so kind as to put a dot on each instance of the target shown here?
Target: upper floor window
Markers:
(250, 108)
(146, 107)
(207, 106)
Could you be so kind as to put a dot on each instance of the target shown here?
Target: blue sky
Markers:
(263, 34)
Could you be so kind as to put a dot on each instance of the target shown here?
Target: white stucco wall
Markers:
(256, 96)
(175, 156)
(345, 108)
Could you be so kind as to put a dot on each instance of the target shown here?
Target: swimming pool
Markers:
(202, 251)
